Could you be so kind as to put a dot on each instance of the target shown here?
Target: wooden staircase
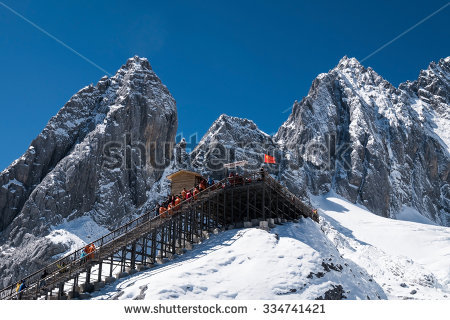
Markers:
(151, 239)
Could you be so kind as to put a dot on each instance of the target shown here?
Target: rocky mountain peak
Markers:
(232, 122)
(383, 147)
(230, 139)
(429, 98)
(96, 158)
(349, 63)
(435, 80)
(137, 63)
(229, 128)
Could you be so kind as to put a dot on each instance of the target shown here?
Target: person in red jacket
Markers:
(183, 193)
(202, 185)
(196, 192)
(189, 196)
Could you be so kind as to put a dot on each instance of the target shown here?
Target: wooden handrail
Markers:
(73, 260)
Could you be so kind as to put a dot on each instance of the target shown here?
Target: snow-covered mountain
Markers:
(104, 157)
(92, 165)
(382, 153)
(230, 139)
(355, 133)
(352, 254)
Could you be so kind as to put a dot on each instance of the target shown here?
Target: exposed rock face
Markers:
(228, 140)
(336, 293)
(98, 156)
(356, 134)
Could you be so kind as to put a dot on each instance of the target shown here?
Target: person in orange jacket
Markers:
(177, 203)
(92, 250)
(162, 212)
(196, 192)
(87, 249)
(183, 193)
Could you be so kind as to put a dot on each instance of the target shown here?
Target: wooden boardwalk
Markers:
(150, 239)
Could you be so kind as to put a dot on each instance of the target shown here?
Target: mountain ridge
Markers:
(372, 124)
(354, 133)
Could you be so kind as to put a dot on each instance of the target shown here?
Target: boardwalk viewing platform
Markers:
(254, 199)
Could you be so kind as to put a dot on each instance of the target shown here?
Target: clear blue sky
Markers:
(246, 59)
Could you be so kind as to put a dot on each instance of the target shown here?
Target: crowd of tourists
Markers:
(172, 204)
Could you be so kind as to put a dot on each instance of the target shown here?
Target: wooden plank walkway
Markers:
(150, 239)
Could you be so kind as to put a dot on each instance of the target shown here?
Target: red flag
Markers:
(269, 159)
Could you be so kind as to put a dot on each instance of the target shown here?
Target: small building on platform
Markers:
(184, 179)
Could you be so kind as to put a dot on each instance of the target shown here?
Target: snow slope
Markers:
(253, 264)
(75, 234)
(351, 254)
(408, 259)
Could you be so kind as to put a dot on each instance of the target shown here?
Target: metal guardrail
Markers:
(73, 262)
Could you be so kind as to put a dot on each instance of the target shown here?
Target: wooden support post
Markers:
(153, 249)
(180, 230)
(75, 284)
(161, 253)
(111, 265)
(248, 203)
(193, 223)
(123, 258)
(255, 204)
(209, 213)
(100, 266)
(133, 255)
(232, 205)
(241, 218)
(278, 195)
(185, 228)
(217, 209)
(263, 202)
(60, 290)
(174, 235)
(88, 275)
(202, 219)
(270, 203)
(168, 244)
(144, 250)
(189, 225)
(225, 207)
